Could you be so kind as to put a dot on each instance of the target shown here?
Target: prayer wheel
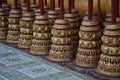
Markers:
(109, 63)
(61, 48)
(74, 23)
(41, 34)
(26, 28)
(3, 23)
(13, 27)
(89, 44)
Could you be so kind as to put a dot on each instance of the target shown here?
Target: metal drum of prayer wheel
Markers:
(3, 23)
(41, 34)
(74, 27)
(90, 41)
(13, 27)
(26, 28)
(109, 63)
(61, 48)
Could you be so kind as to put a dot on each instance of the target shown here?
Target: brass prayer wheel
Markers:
(89, 44)
(26, 23)
(109, 61)
(74, 23)
(41, 36)
(13, 27)
(61, 49)
(3, 23)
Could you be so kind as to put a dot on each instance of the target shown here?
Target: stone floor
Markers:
(69, 65)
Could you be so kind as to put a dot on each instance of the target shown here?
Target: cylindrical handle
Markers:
(90, 9)
(62, 9)
(117, 8)
(15, 3)
(58, 3)
(113, 11)
(24, 1)
(5, 1)
(45, 2)
(69, 6)
(34, 1)
(72, 4)
(53, 4)
(41, 7)
(28, 5)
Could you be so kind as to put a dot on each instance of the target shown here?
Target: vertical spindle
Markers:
(41, 7)
(117, 8)
(53, 4)
(113, 11)
(15, 3)
(58, 3)
(34, 1)
(69, 6)
(72, 4)
(28, 5)
(90, 9)
(62, 9)
(45, 2)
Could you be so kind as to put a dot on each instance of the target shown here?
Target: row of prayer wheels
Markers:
(63, 37)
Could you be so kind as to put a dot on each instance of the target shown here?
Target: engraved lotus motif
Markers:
(61, 33)
(57, 40)
(41, 35)
(41, 28)
(110, 50)
(14, 27)
(111, 41)
(26, 30)
(89, 35)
